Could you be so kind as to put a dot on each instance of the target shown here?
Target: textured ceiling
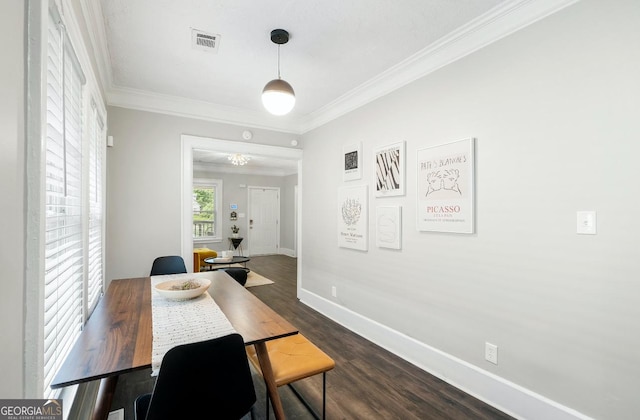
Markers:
(335, 46)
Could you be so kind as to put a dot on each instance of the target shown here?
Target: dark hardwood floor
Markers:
(367, 383)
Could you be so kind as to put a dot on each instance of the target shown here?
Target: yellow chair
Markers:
(199, 254)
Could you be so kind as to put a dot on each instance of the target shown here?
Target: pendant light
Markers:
(278, 96)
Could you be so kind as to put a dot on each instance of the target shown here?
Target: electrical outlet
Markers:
(491, 353)
(334, 291)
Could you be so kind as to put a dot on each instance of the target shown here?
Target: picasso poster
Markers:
(446, 188)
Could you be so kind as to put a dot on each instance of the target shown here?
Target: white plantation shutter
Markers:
(64, 249)
(96, 158)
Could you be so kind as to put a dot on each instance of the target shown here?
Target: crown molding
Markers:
(499, 22)
(190, 108)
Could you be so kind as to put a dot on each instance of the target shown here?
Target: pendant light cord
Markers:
(278, 61)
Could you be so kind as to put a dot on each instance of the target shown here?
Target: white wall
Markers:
(555, 110)
(12, 206)
(144, 184)
(287, 215)
(235, 193)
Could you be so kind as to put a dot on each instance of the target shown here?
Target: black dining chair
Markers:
(172, 264)
(205, 380)
(239, 274)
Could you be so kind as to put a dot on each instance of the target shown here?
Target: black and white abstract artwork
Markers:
(352, 160)
(389, 170)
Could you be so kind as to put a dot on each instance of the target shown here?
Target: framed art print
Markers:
(388, 227)
(446, 187)
(389, 169)
(353, 221)
(352, 161)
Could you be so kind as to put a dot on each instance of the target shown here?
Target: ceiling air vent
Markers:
(204, 41)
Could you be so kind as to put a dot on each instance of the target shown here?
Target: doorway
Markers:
(189, 143)
(264, 220)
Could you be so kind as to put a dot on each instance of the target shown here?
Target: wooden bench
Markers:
(294, 358)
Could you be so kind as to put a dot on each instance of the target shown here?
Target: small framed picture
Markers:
(389, 170)
(352, 161)
(353, 219)
(389, 227)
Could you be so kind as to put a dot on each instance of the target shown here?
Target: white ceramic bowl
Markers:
(165, 289)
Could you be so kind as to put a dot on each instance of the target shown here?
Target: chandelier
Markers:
(239, 159)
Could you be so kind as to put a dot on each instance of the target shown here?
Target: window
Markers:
(206, 205)
(72, 230)
(64, 263)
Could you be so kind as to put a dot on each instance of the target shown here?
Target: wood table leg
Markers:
(267, 373)
(105, 396)
(196, 262)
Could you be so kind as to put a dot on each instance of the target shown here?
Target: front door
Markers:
(264, 220)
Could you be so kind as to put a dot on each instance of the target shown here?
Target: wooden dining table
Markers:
(118, 337)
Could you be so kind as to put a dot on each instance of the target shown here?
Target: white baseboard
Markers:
(281, 251)
(288, 252)
(496, 391)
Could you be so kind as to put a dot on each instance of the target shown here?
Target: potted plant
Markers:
(234, 231)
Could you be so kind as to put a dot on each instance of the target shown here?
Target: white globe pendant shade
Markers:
(278, 97)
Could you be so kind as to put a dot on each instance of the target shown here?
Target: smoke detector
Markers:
(205, 41)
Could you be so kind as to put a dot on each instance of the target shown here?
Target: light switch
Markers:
(586, 222)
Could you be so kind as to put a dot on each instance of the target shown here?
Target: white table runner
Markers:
(178, 322)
